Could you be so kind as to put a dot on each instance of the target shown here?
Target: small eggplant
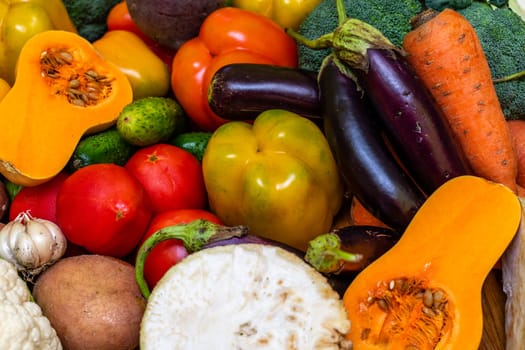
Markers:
(349, 248)
(241, 91)
(344, 252)
(368, 168)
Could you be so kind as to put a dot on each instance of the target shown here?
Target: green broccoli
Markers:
(442, 4)
(502, 35)
(390, 17)
(89, 16)
(500, 30)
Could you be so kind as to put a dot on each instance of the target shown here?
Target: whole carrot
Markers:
(446, 53)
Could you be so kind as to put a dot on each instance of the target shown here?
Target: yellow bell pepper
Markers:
(20, 20)
(147, 73)
(277, 176)
(287, 13)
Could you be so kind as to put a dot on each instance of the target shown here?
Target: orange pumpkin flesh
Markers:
(425, 292)
(63, 89)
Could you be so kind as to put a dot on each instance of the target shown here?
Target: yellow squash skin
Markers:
(43, 119)
(425, 292)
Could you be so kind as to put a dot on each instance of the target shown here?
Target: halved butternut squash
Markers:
(425, 292)
(63, 89)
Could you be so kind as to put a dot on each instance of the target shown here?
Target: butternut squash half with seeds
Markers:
(425, 292)
(63, 89)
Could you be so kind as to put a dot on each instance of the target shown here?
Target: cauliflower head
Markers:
(23, 325)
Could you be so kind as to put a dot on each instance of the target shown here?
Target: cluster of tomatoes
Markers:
(110, 209)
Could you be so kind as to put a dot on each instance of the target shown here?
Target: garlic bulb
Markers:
(31, 244)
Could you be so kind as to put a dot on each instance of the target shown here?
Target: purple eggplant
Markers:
(368, 168)
(241, 91)
(414, 123)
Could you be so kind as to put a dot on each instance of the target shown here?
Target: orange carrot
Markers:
(447, 54)
(359, 215)
(517, 131)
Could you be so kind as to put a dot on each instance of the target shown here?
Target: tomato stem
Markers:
(324, 253)
(194, 235)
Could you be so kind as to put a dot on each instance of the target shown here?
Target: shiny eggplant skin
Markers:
(241, 91)
(368, 168)
(413, 121)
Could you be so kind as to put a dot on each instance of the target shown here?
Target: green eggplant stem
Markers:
(194, 235)
(324, 253)
(349, 41)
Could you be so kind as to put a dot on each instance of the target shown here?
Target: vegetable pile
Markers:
(324, 174)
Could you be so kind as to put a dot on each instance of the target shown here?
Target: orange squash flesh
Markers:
(425, 293)
(63, 89)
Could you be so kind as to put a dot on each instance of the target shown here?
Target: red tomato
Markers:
(40, 200)
(104, 209)
(170, 252)
(171, 176)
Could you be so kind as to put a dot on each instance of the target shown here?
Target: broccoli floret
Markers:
(442, 4)
(390, 17)
(89, 16)
(502, 35)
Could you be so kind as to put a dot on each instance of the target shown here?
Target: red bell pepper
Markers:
(228, 35)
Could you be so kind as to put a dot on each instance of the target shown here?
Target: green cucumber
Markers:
(104, 147)
(194, 142)
(150, 120)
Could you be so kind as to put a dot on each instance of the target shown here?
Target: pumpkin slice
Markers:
(246, 296)
(63, 89)
(425, 292)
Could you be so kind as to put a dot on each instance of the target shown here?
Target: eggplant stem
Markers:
(341, 11)
(322, 42)
(194, 235)
(324, 253)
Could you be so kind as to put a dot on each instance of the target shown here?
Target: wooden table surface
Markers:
(493, 313)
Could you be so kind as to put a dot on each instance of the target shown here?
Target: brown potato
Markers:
(92, 301)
